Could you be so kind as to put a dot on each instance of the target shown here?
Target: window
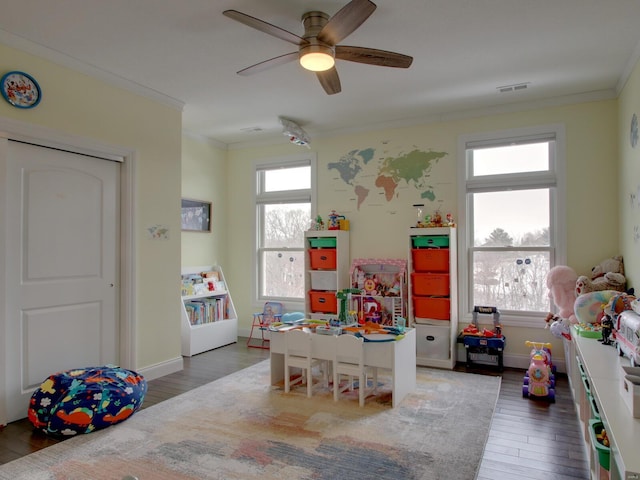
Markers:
(284, 196)
(512, 220)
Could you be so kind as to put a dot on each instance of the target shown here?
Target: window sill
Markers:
(523, 321)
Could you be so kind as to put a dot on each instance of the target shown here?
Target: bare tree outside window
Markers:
(283, 201)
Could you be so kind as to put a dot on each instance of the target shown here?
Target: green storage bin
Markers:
(430, 241)
(580, 366)
(322, 242)
(587, 385)
(595, 413)
(604, 453)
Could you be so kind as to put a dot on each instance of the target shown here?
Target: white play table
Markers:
(398, 356)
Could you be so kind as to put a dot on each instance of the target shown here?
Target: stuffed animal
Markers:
(558, 326)
(607, 275)
(561, 281)
(618, 303)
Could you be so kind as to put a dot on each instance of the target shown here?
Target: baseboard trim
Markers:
(161, 369)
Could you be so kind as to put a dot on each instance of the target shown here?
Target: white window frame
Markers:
(558, 234)
(291, 196)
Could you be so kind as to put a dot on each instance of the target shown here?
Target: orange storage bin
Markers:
(430, 284)
(323, 302)
(323, 258)
(430, 259)
(432, 307)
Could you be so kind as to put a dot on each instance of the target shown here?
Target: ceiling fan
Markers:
(318, 46)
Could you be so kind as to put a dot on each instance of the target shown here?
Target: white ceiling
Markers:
(186, 52)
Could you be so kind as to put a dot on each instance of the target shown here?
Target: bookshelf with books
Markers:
(209, 318)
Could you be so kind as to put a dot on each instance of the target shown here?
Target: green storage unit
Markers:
(595, 413)
(322, 242)
(430, 241)
(587, 385)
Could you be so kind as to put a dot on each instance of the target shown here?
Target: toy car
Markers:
(539, 380)
(627, 336)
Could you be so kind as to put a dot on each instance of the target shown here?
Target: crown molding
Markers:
(59, 58)
(628, 69)
(506, 108)
(204, 139)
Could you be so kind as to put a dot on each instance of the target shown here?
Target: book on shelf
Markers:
(206, 310)
(194, 284)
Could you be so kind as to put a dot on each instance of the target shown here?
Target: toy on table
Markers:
(334, 220)
(344, 298)
(539, 379)
(607, 329)
(627, 336)
(419, 221)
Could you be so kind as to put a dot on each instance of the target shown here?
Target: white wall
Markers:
(628, 193)
(204, 177)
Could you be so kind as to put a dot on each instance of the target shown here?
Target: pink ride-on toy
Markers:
(539, 380)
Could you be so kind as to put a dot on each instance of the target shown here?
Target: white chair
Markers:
(298, 355)
(349, 360)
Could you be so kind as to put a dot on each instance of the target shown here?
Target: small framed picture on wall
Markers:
(196, 215)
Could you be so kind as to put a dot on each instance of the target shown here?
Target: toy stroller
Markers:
(539, 379)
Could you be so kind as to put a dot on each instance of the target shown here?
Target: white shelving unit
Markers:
(207, 336)
(326, 271)
(599, 367)
(433, 295)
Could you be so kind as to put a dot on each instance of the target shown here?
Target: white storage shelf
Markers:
(436, 337)
(602, 369)
(207, 336)
(327, 280)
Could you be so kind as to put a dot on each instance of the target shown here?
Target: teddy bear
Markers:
(607, 275)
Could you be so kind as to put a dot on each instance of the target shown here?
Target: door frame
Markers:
(47, 137)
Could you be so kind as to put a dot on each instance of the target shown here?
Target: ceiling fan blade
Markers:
(345, 21)
(265, 27)
(267, 64)
(373, 56)
(330, 81)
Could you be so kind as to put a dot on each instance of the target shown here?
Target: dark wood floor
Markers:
(529, 439)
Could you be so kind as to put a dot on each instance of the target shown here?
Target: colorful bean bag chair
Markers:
(86, 399)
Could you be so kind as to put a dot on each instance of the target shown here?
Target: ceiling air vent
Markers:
(251, 129)
(513, 88)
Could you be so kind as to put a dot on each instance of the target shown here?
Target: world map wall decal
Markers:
(370, 175)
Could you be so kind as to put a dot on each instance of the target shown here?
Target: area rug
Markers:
(240, 427)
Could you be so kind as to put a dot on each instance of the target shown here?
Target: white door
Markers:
(61, 214)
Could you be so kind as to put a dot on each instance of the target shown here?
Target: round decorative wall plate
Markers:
(20, 90)
(634, 130)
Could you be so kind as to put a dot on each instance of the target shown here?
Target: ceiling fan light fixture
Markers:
(317, 58)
